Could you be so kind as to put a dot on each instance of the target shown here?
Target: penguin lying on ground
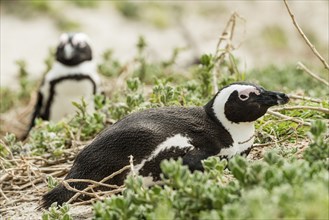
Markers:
(72, 77)
(223, 127)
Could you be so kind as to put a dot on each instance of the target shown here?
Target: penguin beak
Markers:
(269, 98)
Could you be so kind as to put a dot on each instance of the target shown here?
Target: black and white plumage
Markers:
(223, 127)
(73, 76)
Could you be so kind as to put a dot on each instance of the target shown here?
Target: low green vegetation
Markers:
(55, 213)
(272, 188)
(10, 97)
(7, 99)
(292, 78)
(318, 151)
(281, 183)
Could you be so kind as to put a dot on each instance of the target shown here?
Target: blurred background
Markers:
(30, 30)
(160, 40)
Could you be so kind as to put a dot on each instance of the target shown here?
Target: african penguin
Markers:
(72, 77)
(223, 127)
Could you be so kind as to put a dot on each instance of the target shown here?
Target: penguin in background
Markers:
(72, 77)
(224, 127)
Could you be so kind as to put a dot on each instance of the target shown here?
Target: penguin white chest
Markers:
(69, 91)
(243, 138)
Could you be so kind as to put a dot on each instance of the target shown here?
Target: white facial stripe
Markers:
(240, 132)
(177, 141)
(225, 93)
(80, 38)
(64, 38)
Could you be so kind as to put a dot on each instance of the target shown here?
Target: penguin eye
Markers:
(243, 97)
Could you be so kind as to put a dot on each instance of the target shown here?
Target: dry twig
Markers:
(23, 180)
(94, 184)
(288, 118)
(303, 67)
(292, 96)
(91, 182)
(226, 49)
(4, 177)
(278, 141)
(102, 181)
(313, 108)
(300, 31)
(4, 195)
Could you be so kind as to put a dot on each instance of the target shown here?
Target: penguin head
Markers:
(244, 102)
(73, 49)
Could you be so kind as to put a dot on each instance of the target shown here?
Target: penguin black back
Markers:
(152, 135)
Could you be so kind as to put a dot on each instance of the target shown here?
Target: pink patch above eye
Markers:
(80, 38)
(64, 38)
(246, 92)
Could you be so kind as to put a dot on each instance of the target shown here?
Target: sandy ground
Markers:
(29, 39)
(27, 211)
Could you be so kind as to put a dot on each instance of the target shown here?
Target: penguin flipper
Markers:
(193, 159)
(36, 113)
(37, 109)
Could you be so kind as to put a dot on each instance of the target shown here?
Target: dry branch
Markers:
(4, 177)
(102, 181)
(292, 96)
(24, 179)
(91, 182)
(300, 31)
(67, 186)
(303, 67)
(288, 118)
(276, 142)
(226, 49)
(313, 108)
(4, 195)
(93, 193)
